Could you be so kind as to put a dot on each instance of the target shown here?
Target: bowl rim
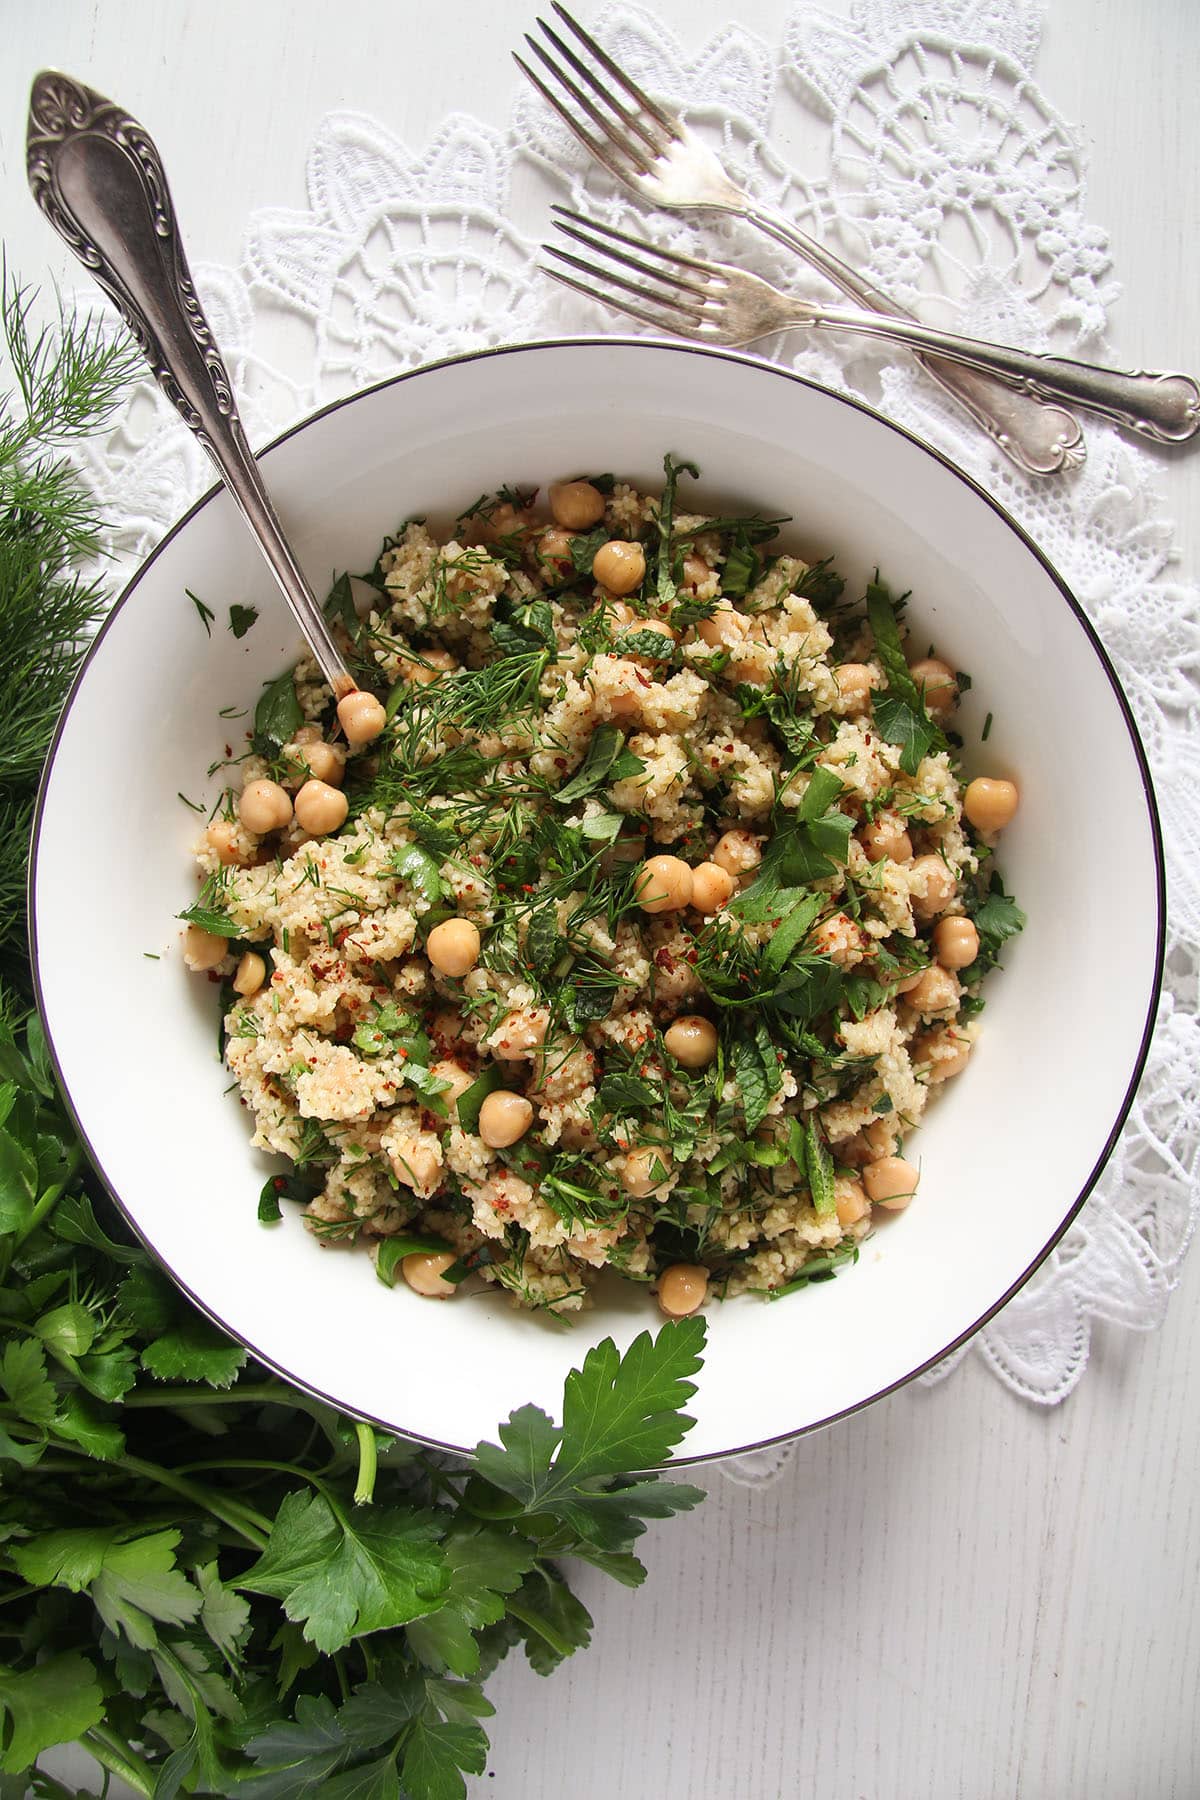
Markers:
(682, 348)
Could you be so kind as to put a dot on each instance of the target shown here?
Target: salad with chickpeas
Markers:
(624, 922)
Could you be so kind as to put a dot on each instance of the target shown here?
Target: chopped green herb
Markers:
(241, 618)
(206, 613)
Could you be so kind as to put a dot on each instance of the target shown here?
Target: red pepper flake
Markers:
(279, 1184)
(560, 762)
(229, 749)
(729, 747)
(665, 960)
(214, 977)
(526, 887)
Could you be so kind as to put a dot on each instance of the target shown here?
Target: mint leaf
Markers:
(819, 1164)
(756, 1071)
(53, 1703)
(544, 943)
(602, 752)
(343, 1578)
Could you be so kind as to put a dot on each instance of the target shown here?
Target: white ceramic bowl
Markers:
(1008, 1156)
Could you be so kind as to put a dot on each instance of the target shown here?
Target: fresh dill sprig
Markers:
(67, 378)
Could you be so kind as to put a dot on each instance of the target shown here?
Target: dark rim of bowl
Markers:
(760, 364)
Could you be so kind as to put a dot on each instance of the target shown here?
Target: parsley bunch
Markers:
(215, 1583)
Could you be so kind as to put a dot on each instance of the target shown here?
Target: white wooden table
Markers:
(951, 1594)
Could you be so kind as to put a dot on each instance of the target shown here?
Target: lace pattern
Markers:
(952, 182)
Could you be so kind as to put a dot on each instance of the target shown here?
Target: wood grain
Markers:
(952, 1596)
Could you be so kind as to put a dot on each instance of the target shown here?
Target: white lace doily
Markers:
(945, 172)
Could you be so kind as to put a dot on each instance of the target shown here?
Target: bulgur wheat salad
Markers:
(639, 937)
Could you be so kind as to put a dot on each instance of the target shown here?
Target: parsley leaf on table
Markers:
(342, 1577)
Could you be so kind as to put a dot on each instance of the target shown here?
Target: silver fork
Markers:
(648, 148)
(722, 304)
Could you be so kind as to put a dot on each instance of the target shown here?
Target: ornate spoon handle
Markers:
(99, 179)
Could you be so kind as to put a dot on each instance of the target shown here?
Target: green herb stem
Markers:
(119, 1758)
(248, 1523)
(368, 1455)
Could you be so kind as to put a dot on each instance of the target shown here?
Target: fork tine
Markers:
(654, 143)
(668, 301)
(618, 74)
(616, 138)
(674, 257)
(602, 155)
(662, 273)
(656, 322)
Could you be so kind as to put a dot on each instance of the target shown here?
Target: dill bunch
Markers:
(62, 381)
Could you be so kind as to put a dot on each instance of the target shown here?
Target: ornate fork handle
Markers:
(1039, 440)
(1161, 406)
(99, 179)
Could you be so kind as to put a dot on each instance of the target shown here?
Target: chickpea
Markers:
(712, 886)
(935, 680)
(737, 853)
(725, 629)
(520, 1032)
(320, 808)
(554, 546)
(576, 504)
(946, 1052)
(625, 706)
(222, 837)
(458, 1081)
(264, 806)
(453, 947)
(695, 572)
(692, 1041)
(956, 942)
(851, 1200)
(645, 1169)
(891, 1182)
(250, 974)
(427, 666)
(361, 716)
(416, 1163)
(325, 762)
(306, 734)
(990, 805)
(203, 950)
(854, 688)
(934, 991)
(885, 838)
(503, 1118)
(619, 566)
(423, 1274)
(664, 885)
(939, 885)
(681, 1289)
(839, 938)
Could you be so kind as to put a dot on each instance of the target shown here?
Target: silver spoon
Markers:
(100, 181)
